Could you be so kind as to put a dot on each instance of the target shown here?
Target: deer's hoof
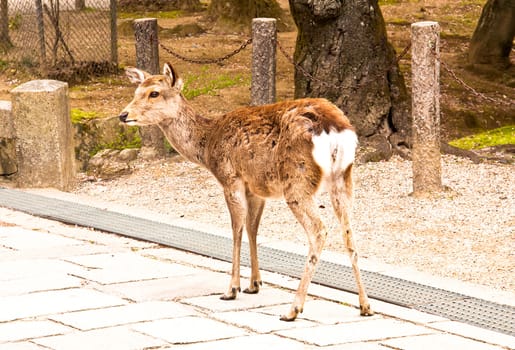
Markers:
(253, 288)
(292, 315)
(232, 294)
(365, 310)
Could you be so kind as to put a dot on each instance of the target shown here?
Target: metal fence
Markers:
(61, 39)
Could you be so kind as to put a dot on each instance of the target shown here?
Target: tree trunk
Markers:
(343, 46)
(242, 12)
(5, 41)
(493, 38)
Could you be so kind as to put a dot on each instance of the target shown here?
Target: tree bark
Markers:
(492, 40)
(5, 40)
(343, 45)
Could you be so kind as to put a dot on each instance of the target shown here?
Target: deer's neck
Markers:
(187, 132)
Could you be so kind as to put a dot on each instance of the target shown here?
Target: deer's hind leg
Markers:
(305, 211)
(341, 199)
(255, 207)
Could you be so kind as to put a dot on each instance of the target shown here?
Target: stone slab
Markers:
(115, 338)
(265, 341)
(49, 281)
(259, 322)
(56, 252)
(20, 238)
(126, 267)
(320, 311)
(22, 330)
(24, 345)
(189, 330)
(171, 288)
(437, 341)
(35, 268)
(370, 330)
(267, 296)
(121, 315)
(481, 334)
(54, 302)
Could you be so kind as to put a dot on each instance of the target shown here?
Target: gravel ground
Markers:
(467, 234)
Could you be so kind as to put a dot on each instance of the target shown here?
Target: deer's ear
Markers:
(136, 75)
(170, 72)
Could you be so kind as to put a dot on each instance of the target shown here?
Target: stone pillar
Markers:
(80, 5)
(7, 147)
(114, 33)
(44, 135)
(427, 170)
(264, 36)
(147, 50)
(147, 59)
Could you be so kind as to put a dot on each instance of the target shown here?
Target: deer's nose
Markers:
(123, 116)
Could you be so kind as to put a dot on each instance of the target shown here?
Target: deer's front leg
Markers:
(237, 205)
(255, 207)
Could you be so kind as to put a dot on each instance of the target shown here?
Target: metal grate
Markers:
(455, 306)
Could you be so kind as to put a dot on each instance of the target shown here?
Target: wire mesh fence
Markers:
(67, 40)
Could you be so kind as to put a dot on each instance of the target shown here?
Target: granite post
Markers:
(264, 37)
(427, 169)
(44, 135)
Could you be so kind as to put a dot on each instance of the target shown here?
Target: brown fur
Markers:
(256, 153)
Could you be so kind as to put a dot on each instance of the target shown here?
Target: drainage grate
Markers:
(455, 306)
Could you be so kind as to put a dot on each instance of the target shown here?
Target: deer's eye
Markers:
(154, 94)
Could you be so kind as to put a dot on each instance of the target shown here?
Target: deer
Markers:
(292, 149)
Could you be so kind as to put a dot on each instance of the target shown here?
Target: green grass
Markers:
(500, 136)
(209, 84)
(152, 14)
(78, 115)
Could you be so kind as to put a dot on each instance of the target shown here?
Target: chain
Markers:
(323, 83)
(209, 60)
(310, 77)
(470, 88)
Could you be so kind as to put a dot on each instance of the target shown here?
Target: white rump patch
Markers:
(334, 151)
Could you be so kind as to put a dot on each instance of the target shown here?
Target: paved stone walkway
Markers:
(64, 287)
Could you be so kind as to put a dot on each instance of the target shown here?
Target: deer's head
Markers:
(157, 97)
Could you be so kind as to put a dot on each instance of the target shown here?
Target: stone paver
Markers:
(126, 267)
(265, 341)
(49, 281)
(437, 341)
(113, 338)
(260, 322)
(25, 345)
(266, 297)
(189, 329)
(363, 331)
(21, 330)
(63, 287)
(51, 302)
(119, 315)
(199, 284)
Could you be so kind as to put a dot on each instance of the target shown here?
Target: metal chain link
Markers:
(207, 60)
(471, 89)
(323, 83)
